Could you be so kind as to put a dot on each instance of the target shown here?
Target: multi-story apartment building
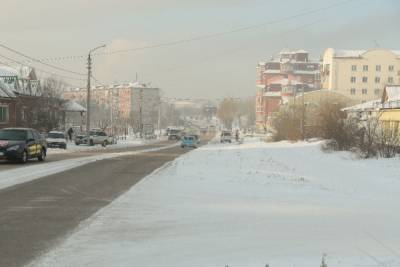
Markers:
(131, 102)
(281, 78)
(360, 74)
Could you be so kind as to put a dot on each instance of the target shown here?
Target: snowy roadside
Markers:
(248, 205)
(25, 174)
(72, 148)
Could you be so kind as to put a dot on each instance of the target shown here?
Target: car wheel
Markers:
(24, 157)
(76, 143)
(91, 143)
(42, 155)
(104, 144)
(65, 147)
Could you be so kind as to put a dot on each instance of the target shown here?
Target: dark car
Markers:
(22, 144)
(175, 134)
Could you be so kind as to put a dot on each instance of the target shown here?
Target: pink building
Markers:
(284, 76)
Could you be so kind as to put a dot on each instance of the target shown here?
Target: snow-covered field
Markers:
(248, 205)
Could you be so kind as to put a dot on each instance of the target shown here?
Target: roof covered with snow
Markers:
(370, 105)
(6, 90)
(286, 52)
(8, 71)
(340, 53)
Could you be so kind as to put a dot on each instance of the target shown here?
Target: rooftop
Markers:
(340, 53)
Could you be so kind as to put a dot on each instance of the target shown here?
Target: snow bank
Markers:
(248, 205)
(71, 147)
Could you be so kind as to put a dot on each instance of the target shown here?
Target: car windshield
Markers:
(56, 135)
(13, 135)
(226, 134)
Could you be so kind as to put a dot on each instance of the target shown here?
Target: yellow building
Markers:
(390, 109)
(360, 74)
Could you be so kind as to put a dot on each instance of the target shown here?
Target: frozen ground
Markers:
(248, 205)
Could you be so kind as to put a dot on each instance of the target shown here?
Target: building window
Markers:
(390, 80)
(354, 67)
(353, 79)
(365, 68)
(377, 91)
(391, 68)
(377, 79)
(365, 79)
(353, 91)
(364, 91)
(378, 67)
(3, 113)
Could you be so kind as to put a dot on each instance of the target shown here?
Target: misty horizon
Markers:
(198, 69)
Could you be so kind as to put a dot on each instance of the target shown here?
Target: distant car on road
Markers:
(96, 137)
(174, 134)
(56, 139)
(22, 144)
(226, 137)
(189, 141)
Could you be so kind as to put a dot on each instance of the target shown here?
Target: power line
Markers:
(237, 30)
(48, 72)
(39, 61)
(206, 36)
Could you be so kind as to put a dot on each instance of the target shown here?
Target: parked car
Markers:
(112, 140)
(96, 137)
(226, 137)
(22, 144)
(189, 141)
(56, 139)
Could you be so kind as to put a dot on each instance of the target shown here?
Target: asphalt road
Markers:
(35, 216)
(7, 165)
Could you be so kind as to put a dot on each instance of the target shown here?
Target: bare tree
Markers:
(227, 111)
(53, 87)
(388, 140)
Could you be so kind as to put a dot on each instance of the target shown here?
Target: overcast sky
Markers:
(216, 67)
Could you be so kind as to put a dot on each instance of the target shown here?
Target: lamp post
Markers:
(89, 62)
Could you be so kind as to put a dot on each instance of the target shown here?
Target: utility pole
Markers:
(89, 62)
(112, 110)
(159, 117)
(302, 113)
(141, 113)
(89, 67)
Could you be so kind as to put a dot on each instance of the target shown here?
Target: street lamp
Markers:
(88, 88)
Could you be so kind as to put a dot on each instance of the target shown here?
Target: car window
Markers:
(36, 135)
(13, 135)
(56, 135)
(30, 135)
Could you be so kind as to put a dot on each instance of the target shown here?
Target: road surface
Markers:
(34, 216)
(6, 165)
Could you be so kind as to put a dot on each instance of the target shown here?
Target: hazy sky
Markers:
(215, 67)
